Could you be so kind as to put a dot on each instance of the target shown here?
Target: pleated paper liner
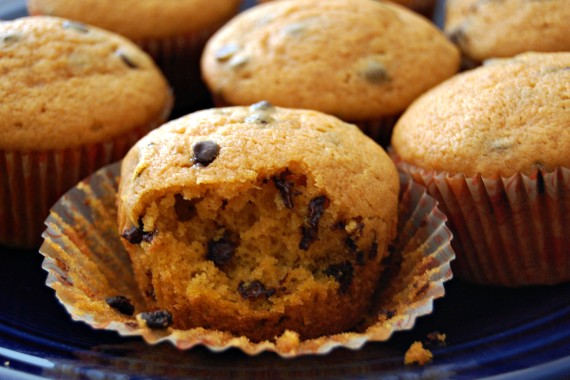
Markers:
(30, 182)
(508, 231)
(86, 263)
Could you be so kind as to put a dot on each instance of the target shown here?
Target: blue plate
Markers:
(514, 333)
(491, 332)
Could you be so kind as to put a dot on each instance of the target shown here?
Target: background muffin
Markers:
(72, 99)
(266, 219)
(172, 32)
(493, 146)
(486, 29)
(309, 54)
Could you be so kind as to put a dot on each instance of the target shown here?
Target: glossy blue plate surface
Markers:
(491, 332)
(515, 333)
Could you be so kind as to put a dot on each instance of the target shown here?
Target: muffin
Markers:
(172, 32)
(257, 220)
(424, 7)
(72, 99)
(492, 145)
(299, 54)
(487, 29)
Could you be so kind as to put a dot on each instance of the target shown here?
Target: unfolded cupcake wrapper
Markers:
(508, 231)
(31, 182)
(86, 263)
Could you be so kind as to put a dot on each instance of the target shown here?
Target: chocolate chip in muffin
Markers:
(226, 52)
(373, 251)
(128, 61)
(76, 26)
(136, 235)
(205, 152)
(221, 251)
(310, 230)
(285, 188)
(375, 72)
(185, 209)
(343, 273)
(254, 289)
(156, 320)
(352, 247)
(263, 105)
(10, 38)
(259, 118)
(149, 291)
(122, 304)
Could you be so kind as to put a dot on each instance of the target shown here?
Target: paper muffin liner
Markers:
(508, 231)
(31, 182)
(86, 263)
(380, 130)
(178, 57)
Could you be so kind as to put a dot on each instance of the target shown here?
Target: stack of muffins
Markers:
(491, 144)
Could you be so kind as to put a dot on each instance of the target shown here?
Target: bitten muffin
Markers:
(493, 144)
(486, 29)
(309, 54)
(172, 32)
(258, 220)
(72, 99)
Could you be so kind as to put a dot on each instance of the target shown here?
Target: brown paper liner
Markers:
(509, 231)
(86, 263)
(178, 57)
(33, 181)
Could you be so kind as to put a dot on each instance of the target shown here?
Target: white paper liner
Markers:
(508, 231)
(86, 262)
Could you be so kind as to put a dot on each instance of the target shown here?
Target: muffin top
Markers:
(355, 59)
(246, 144)
(485, 29)
(508, 116)
(138, 19)
(65, 84)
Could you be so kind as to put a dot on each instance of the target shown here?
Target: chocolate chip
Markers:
(259, 118)
(253, 290)
(122, 304)
(376, 73)
(263, 105)
(222, 250)
(310, 229)
(136, 235)
(74, 25)
(149, 291)
(185, 209)
(352, 247)
(342, 273)
(373, 251)
(285, 188)
(226, 52)
(10, 38)
(205, 152)
(159, 319)
(458, 36)
(127, 60)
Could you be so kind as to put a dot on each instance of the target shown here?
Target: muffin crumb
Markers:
(417, 354)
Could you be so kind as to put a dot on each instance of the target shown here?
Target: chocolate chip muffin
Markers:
(172, 32)
(309, 54)
(485, 29)
(492, 145)
(257, 220)
(73, 98)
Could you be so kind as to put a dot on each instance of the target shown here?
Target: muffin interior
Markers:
(275, 246)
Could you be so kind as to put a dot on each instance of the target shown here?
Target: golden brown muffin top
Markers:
(356, 59)
(254, 143)
(65, 84)
(508, 116)
(139, 19)
(485, 29)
